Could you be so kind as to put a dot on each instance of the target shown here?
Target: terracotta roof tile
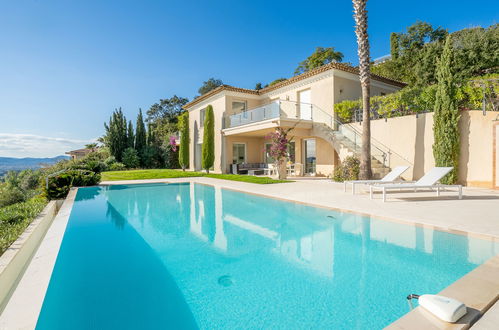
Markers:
(292, 80)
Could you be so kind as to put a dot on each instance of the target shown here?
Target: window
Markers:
(238, 106)
(268, 158)
(238, 153)
(291, 152)
(309, 156)
(201, 117)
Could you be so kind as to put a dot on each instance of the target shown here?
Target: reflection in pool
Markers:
(191, 255)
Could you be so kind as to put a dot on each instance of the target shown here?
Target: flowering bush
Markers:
(171, 154)
(172, 143)
(279, 149)
(279, 145)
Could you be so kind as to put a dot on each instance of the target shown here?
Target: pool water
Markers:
(184, 256)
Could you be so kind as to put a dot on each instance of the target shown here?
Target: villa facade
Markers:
(305, 103)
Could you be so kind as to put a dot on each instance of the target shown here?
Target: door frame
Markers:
(298, 97)
(304, 156)
(245, 151)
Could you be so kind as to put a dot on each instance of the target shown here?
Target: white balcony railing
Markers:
(268, 111)
(277, 109)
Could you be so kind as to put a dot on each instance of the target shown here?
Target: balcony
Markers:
(275, 110)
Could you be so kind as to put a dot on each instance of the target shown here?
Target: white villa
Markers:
(244, 117)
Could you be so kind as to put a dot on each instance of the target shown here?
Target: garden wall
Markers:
(411, 138)
(14, 261)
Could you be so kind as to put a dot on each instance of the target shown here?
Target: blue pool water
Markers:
(184, 256)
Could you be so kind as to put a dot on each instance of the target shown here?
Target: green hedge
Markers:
(59, 185)
(411, 100)
(15, 218)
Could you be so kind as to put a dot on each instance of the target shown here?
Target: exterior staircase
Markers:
(347, 142)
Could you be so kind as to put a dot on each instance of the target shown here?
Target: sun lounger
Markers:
(389, 178)
(428, 181)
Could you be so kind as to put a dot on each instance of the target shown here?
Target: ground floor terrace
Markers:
(248, 148)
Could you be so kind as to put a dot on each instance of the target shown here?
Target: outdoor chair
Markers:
(389, 178)
(428, 181)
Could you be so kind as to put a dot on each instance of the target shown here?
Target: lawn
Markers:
(168, 174)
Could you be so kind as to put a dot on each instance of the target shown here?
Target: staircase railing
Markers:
(379, 151)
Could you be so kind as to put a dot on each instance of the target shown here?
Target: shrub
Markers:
(96, 166)
(348, 170)
(131, 158)
(171, 157)
(411, 100)
(109, 161)
(117, 167)
(345, 109)
(60, 184)
(29, 180)
(15, 218)
(10, 195)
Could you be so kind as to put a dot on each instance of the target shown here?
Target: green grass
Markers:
(168, 174)
(16, 217)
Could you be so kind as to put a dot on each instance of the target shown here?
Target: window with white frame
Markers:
(201, 117)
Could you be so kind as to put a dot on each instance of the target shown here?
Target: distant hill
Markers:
(18, 164)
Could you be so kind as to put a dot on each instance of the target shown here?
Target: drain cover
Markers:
(225, 280)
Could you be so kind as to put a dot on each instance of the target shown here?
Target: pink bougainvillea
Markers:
(173, 143)
(279, 144)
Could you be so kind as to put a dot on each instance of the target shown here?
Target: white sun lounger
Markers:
(428, 181)
(389, 178)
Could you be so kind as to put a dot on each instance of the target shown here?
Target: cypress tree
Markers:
(130, 135)
(116, 134)
(140, 137)
(208, 150)
(394, 45)
(446, 147)
(183, 156)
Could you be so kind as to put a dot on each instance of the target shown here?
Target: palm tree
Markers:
(360, 16)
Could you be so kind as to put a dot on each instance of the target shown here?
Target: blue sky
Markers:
(65, 65)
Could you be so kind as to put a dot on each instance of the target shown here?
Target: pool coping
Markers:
(24, 306)
(478, 289)
(15, 259)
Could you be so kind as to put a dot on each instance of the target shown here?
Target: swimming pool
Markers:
(196, 256)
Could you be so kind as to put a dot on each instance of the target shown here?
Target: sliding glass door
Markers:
(309, 151)
(238, 153)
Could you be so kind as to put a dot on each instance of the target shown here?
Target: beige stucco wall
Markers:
(196, 131)
(411, 140)
(321, 92)
(324, 93)
(254, 148)
(326, 157)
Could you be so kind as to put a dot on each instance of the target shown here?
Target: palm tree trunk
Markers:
(360, 16)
